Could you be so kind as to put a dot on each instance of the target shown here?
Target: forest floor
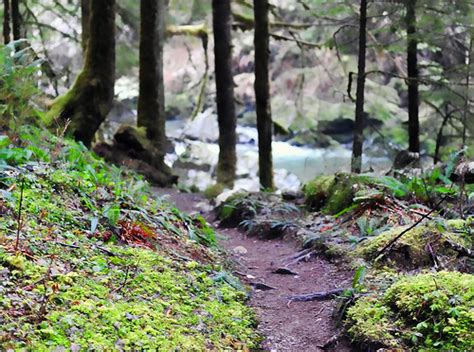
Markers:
(285, 326)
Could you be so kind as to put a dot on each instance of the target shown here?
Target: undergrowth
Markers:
(101, 263)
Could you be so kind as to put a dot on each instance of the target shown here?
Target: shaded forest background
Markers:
(313, 73)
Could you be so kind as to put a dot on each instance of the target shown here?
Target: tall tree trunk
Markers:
(6, 21)
(262, 93)
(151, 100)
(88, 102)
(16, 19)
(357, 146)
(412, 68)
(222, 21)
(85, 23)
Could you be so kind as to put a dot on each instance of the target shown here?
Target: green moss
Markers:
(317, 191)
(58, 105)
(369, 324)
(423, 312)
(333, 194)
(410, 250)
(71, 289)
(212, 191)
(163, 306)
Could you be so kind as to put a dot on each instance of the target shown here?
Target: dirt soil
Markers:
(298, 326)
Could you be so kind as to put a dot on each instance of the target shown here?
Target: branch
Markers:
(318, 296)
(427, 215)
(297, 41)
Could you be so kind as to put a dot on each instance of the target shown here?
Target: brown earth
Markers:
(295, 326)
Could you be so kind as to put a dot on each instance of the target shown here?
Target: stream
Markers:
(196, 148)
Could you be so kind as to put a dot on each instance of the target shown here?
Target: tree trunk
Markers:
(222, 21)
(6, 21)
(412, 68)
(16, 19)
(151, 100)
(88, 102)
(356, 163)
(262, 93)
(85, 23)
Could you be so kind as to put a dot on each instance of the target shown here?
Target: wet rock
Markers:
(464, 172)
(241, 250)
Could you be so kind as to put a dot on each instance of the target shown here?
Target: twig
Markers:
(463, 251)
(19, 222)
(67, 245)
(427, 215)
(106, 251)
(297, 41)
(124, 281)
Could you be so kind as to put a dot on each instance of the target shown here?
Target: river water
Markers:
(293, 165)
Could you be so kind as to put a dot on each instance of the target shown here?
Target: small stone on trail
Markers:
(240, 250)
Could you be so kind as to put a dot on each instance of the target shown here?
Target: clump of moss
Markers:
(334, 194)
(415, 248)
(212, 191)
(369, 324)
(317, 191)
(423, 312)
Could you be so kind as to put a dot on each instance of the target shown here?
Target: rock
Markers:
(341, 129)
(464, 172)
(240, 250)
(203, 127)
(404, 159)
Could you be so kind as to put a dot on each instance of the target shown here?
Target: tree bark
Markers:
(16, 19)
(222, 22)
(85, 23)
(262, 93)
(6, 21)
(88, 102)
(151, 100)
(412, 68)
(357, 146)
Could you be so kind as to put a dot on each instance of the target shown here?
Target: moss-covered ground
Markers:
(418, 292)
(90, 260)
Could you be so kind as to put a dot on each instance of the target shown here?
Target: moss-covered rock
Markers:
(415, 248)
(317, 191)
(335, 193)
(418, 313)
(212, 191)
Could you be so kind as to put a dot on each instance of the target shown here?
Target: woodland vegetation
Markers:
(346, 127)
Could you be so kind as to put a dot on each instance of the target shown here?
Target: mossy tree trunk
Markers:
(151, 100)
(262, 93)
(412, 68)
(357, 145)
(6, 21)
(16, 19)
(88, 102)
(222, 22)
(85, 23)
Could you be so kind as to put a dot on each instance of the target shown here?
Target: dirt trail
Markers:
(299, 326)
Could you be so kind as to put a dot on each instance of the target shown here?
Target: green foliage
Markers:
(77, 288)
(422, 312)
(17, 87)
